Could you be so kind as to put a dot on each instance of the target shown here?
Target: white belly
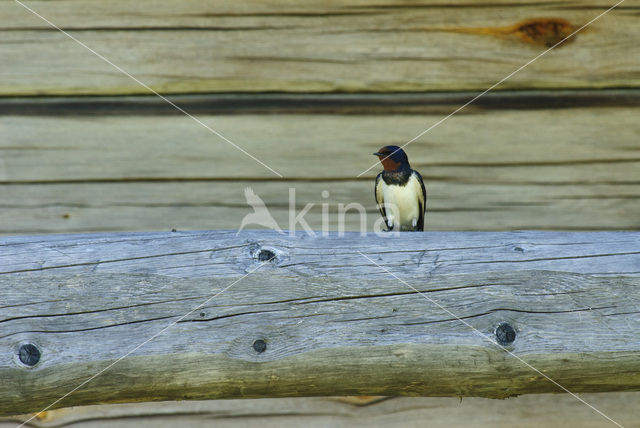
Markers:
(402, 203)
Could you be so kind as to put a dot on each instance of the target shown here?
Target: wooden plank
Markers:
(562, 169)
(570, 145)
(341, 46)
(151, 206)
(529, 411)
(328, 316)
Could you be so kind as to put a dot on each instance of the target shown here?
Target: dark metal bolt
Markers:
(505, 334)
(29, 354)
(266, 255)
(259, 346)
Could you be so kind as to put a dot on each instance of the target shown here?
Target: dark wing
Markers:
(422, 201)
(380, 198)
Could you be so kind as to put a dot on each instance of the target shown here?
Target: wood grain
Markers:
(464, 252)
(342, 46)
(191, 205)
(569, 145)
(572, 168)
(329, 316)
(550, 163)
(528, 411)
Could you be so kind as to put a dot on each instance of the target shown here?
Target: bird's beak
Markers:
(377, 154)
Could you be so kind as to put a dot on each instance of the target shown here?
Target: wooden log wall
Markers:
(523, 158)
(312, 88)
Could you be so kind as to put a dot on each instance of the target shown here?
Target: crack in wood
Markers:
(99, 262)
(77, 330)
(587, 256)
(496, 310)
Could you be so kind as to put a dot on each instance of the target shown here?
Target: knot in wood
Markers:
(29, 354)
(259, 346)
(545, 31)
(505, 334)
(265, 255)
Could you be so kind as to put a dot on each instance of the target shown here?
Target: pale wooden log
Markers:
(528, 411)
(540, 146)
(560, 169)
(192, 205)
(329, 316)
(250, 46)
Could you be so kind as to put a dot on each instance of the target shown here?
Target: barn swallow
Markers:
(400, 191)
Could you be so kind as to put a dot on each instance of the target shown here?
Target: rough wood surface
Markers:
(329, 316)
(566, 146)
(528, 411)
(224, 254)
(560, 169)
(563, 169)
(347, 46)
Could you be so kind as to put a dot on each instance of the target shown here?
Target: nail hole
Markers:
(505, 334)
(29, 354)
(265, 255)
(519, 249)
(259, 346)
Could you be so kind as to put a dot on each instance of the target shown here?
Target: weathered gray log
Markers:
(331, 322)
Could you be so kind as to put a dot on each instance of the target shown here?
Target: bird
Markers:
(400, 191)
(260, 214)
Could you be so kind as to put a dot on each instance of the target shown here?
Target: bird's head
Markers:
(393, 158)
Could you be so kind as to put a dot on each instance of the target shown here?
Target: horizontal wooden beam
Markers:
(132, 205)
(196, 315)
(585, 144)
(502, 169)
(342, 46)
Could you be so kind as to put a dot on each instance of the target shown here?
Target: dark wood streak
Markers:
(149, 28)
(478, 5)
(77, 330)
(299, 14)
(317, 103)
